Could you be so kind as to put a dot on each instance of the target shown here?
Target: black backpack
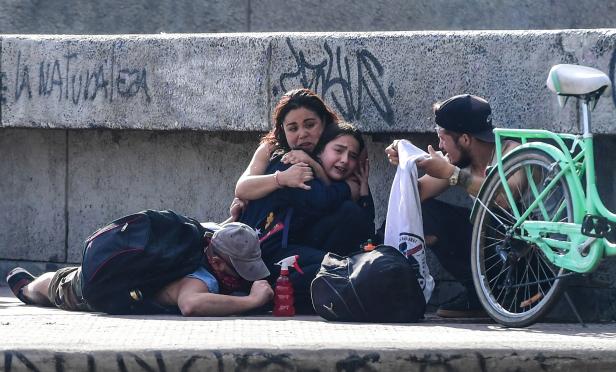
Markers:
(126, 262)
(376, 286)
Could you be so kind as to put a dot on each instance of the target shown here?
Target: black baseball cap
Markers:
(466, 113)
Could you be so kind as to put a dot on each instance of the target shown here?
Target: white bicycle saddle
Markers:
(575, 80)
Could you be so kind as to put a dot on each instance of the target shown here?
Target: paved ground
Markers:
(45, 339)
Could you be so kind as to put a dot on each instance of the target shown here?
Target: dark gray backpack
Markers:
(376, 286)
(128, 261)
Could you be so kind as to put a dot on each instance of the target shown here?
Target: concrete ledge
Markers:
(307, 359)
(70, 341)
(147, 17)
(384, 82)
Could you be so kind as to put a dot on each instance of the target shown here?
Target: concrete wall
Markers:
(188, 16)
(92, 128)
(384, 82)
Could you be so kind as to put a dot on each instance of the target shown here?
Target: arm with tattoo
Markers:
(471, 184)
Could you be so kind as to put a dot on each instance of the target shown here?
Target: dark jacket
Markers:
(267, 215)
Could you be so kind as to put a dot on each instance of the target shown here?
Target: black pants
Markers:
(343, 231)
(451, 226)
(309, 261)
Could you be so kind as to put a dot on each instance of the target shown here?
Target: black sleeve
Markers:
(319, 199)
(367, 205)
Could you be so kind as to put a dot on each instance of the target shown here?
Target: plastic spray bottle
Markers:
(283, 292)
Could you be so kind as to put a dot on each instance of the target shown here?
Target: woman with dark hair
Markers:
(322, 218)
(299, 119)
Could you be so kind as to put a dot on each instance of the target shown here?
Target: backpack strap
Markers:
(285, 232)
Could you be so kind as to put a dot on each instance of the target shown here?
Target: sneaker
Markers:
(462, 306)
(17, 279)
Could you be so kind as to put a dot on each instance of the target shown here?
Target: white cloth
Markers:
(404, 226)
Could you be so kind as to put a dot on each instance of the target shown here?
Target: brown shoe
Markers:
(462, 306)
(17, 279)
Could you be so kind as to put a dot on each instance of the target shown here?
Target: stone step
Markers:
(48, 339)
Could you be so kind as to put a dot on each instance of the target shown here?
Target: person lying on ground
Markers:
(228, 267)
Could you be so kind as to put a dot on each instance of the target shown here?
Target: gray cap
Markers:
(241, 243)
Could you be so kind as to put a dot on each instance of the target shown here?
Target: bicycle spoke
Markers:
(495, 240)
(496, 230)
(495, 255)
(540, 269)
(511, 218)
(515, 293)
(534, 274)
(534, 190)
(560, 204)
(524, 206)
(526, 279)
(496, 263)
(546, 264)
(492, 244)
(500, 293)
(489, 211)
(498, 275)
(526, 293)
(517, 281)
(540, 286)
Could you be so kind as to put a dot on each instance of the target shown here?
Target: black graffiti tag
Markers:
(22, 82)
(66, 79)
(131, 81)
(332, 78)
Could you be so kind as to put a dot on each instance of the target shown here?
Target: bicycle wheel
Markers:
(515, 282)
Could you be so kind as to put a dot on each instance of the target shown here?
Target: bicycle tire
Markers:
(506, 280)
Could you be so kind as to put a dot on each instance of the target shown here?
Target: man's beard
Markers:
(465, 159)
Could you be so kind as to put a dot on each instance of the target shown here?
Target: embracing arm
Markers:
(320, 198)
(194, 299)
(253, 184)
(300, 156)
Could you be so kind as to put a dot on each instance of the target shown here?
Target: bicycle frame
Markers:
(581, 253)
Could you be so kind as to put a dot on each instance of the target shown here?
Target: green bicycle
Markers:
(538, 218)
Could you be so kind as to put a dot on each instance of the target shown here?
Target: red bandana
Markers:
(228, 283)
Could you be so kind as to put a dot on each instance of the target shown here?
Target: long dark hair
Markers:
(292, 100)
(338, 130)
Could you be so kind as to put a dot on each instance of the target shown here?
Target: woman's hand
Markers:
(296, 156)
(296, 176)
(236, 208)
(355, 186)
(361, 173)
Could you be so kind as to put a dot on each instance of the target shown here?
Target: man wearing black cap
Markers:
(464, 128)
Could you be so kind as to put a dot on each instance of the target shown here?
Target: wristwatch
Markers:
(453, 179)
